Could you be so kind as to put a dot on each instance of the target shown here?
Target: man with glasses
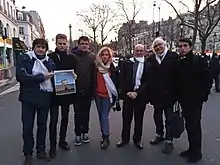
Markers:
(194, 83)
(163, 94)
(62, 62)
(83, 60)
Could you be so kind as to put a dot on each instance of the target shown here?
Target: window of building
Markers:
(14, 32)
(15, 15)
(8, 11)
(20, 16)
(21, 30)
(4, 5)
(8, 30)
(11, 12)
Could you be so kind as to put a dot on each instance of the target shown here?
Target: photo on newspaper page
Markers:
(64, 82)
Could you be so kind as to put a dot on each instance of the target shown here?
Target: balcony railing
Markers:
(5, 12)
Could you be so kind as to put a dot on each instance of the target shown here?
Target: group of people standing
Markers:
(160, 80)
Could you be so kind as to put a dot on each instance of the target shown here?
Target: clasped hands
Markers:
(132, 95)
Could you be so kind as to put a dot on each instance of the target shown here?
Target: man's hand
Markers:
(74, 75)
(48, 75)
(132, 95)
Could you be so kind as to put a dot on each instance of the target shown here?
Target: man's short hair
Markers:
(187, 40)
(83, 38)
(40, 41)
(61, 36)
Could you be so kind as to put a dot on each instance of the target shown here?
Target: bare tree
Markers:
(203, 19)
(130, 19)
(107, 21)
(91, 18)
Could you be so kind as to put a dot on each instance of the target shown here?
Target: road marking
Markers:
(12, 89)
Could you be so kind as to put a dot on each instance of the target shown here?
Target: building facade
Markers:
(30, 27)
(171, 30)
(9, 24)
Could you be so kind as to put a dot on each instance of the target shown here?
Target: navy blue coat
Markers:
(30, 84)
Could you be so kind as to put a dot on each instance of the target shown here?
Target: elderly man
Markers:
(136, 73)
(163, 91)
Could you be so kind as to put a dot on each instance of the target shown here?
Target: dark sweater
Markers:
(84, 68)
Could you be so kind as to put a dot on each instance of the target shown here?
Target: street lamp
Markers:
(181, 29)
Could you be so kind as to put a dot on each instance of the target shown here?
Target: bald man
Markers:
(134, 84)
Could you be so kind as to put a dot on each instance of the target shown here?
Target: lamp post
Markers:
(70, 40)
(181, 29)
(214, 37)
(154, 5)
(158, 32)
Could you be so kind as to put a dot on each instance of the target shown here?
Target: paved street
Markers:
(11, 141)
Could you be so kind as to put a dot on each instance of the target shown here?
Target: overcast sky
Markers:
(57, 15)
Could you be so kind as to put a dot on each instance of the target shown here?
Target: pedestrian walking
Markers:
(84, 64)
(163, 91)
(215, 70)
(194, 83)
(136, 72)
(34, 71)
(106, 93)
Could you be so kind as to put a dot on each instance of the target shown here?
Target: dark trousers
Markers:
(54, 113)
(132, 108)
(216, 80)
(82, 104)
(28, 118)
(158, 119)
(192, 115)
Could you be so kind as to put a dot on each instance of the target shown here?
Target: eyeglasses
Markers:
(184, 45)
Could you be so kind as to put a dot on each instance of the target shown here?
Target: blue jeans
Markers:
(103, 106)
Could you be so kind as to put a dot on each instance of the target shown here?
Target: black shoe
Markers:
(64, 145)
(122, 143)
(53, 153)
(28, 160)
(168, 148)
(185, 154)
(85, 138)
(157, 140)
(139, 145)
(78, 141)
(194, 158)
(104, 144)
(43, 156)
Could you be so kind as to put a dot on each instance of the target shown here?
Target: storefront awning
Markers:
(18, 44)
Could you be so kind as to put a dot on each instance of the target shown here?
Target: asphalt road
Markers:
(11, 141)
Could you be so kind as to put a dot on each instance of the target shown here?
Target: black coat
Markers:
(63, 63)
(164, 80)
(126, 82)
(194, 79)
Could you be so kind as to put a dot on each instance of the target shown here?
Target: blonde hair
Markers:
(105, 48)
(98, 56)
